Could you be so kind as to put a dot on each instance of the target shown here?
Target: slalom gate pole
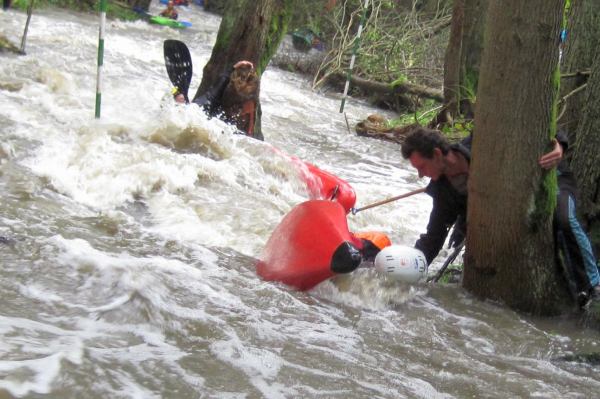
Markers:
(24, 38)
(103, 4)
(354, 50)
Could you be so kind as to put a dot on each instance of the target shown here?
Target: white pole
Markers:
(355, 49)
(100, 57)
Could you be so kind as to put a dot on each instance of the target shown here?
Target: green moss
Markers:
(452, 274)
(277, 29)
(545, 197)
(468, 90)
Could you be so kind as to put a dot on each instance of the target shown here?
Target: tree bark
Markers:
(510, 247)
(580, 49)
(250, 30)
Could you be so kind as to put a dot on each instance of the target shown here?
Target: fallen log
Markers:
(389, 89)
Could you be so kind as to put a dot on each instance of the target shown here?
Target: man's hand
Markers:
(456, 238)
(552, 158)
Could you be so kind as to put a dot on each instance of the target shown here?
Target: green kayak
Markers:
(168, 22)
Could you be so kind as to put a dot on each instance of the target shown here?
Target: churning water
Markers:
(129, 243)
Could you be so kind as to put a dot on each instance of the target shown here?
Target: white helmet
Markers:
(402, 263)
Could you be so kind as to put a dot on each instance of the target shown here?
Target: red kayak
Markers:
(311, 244)
(322, 184)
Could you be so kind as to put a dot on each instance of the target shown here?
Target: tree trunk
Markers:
(510, 247)
(452, 60)
(586, 156)
(472, 47)
(139, 4)
(463, 57)
(250, 30)
(580, 50)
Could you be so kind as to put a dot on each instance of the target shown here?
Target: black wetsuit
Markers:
(210, 101)
(449, 206)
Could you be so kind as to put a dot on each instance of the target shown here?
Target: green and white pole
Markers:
(100, 57)
(363, 18)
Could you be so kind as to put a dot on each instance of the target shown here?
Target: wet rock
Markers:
(7, 46)
(302, 61)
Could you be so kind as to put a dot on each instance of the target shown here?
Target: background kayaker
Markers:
(447, 165)
(170, 11)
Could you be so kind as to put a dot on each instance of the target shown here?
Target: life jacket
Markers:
(247, 115)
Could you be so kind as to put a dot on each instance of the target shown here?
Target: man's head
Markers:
(170, 4)
(426, 150)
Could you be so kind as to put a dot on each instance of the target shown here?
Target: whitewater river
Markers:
(128, 244)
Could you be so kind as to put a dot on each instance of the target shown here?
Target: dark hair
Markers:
(424, 141)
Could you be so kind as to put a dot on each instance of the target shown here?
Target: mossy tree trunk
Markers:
(250, 30)
(510, 248)
(583, 31)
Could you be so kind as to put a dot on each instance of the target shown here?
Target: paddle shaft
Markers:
(419, 191)
(449, 260)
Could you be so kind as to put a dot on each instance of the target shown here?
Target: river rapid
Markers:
(129, 243)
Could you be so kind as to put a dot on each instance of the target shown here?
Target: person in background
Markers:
(570, 236)
(170, 11)
(6, 4)
(447, 165)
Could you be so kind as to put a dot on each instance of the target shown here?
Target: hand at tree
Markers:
(552, 158)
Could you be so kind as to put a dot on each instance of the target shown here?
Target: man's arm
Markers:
(441, 219)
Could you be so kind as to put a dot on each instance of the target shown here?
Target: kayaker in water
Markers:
(178, 96)
(170, 11)
(233, 97)
(448, 167)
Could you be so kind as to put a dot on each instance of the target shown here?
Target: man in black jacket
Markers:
(448, 167)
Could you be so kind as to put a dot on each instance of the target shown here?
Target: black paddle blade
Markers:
(179, 65)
